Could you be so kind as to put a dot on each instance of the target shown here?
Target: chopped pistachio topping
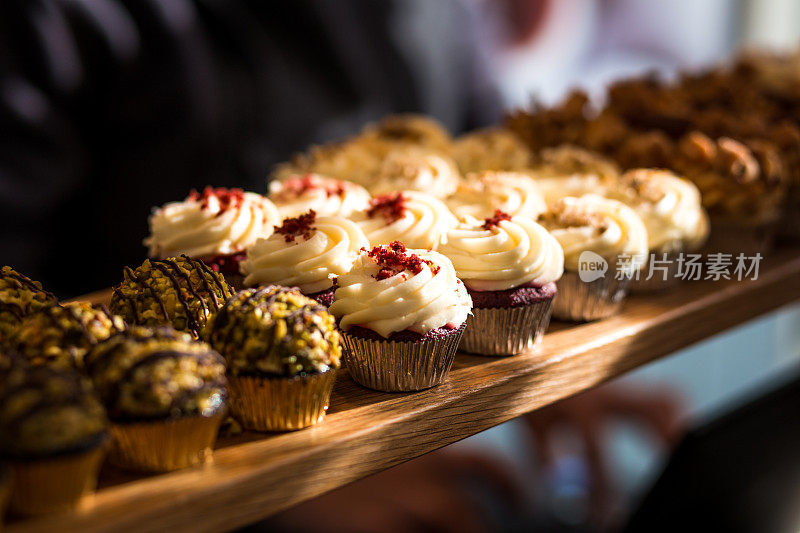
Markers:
(275, 331)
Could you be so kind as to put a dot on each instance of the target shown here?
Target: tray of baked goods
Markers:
(395, 292)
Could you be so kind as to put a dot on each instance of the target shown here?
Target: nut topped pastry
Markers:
(216, 226)
(513, 193)
(147, 373)
(491, 149)
(20, 296)
(282, 351)
(306, 252)
(409, 128)
(180, 292)
(416, 169)
(62, 334)
(417, 219)
(297, 194)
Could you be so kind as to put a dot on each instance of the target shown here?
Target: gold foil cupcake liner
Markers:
(281, 404)
(57, 484)
(580, 301)
(400, 366)
(164, 445)
(506, 330)
(660, 280)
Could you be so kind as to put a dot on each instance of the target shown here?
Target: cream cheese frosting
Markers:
(570, 171)
(491, 149)
(604, 226)
(419, 293)
(503, 253)
(417, 169)
(326, 196)
(482, 194)
(416, 219)
(306, 252)
(215, 222)
(670, 207)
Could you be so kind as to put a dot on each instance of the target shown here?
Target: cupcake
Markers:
(306, 252)
(326, 196)
(571, 171)
(416, 218)
(417, 169)
(178, 292)
(491, 149)
(165, 394)
(409, 129)
(62, 334)
(509, 266)
(402, 313)
(604, 243)
(282, 351)
(19, 297)
(216, 226)
(673, 216)
(53, 435)
(482, 194)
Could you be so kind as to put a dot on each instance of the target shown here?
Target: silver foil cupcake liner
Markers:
(506, 330)
(580, 301)
(400, 366)
(660, 280)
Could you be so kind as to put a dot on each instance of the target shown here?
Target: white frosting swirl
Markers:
(503, 256)
(604, 226)
(216, 222)
(415, 169)
(421, 223)
(512, 193)
(418, 302)
(669, 206)
(326, 196)
(306, 263)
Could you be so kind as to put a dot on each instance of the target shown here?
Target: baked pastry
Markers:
(416, 169)
(53, 434)
(605, 244)
(306, 252)
(20, 296)
(61, 335)
(409, 129)
(402, 313)
(491, 149)
(297, 194)
(513, 193)
(216, 226)
(417, 219)
(675, 220)
(165, 394)
(509, 266)
(282, 351)
(572, 171)
(179, 292)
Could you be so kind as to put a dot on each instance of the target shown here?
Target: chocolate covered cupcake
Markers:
(216, 226)
(19, 297)
(53, 433)
(282, 351)
(402, 313)
(509, 266)
(62, 334)
(179, 292)
(165, 394)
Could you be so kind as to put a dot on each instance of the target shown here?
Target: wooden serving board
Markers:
(253, 476)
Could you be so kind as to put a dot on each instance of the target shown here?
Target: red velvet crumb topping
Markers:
(296, 186)
(227, 198)
(297, 226)
(394, 259)
(498, 217)
(391, 206)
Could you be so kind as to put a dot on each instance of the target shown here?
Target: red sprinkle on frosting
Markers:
(498, 217)
(227, 198)
(297, 185)
(391, 206)
(297, 226)
(394, 259)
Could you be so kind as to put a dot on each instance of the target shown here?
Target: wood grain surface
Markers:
(253, 476)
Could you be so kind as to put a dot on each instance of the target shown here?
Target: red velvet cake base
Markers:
(516, 297)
